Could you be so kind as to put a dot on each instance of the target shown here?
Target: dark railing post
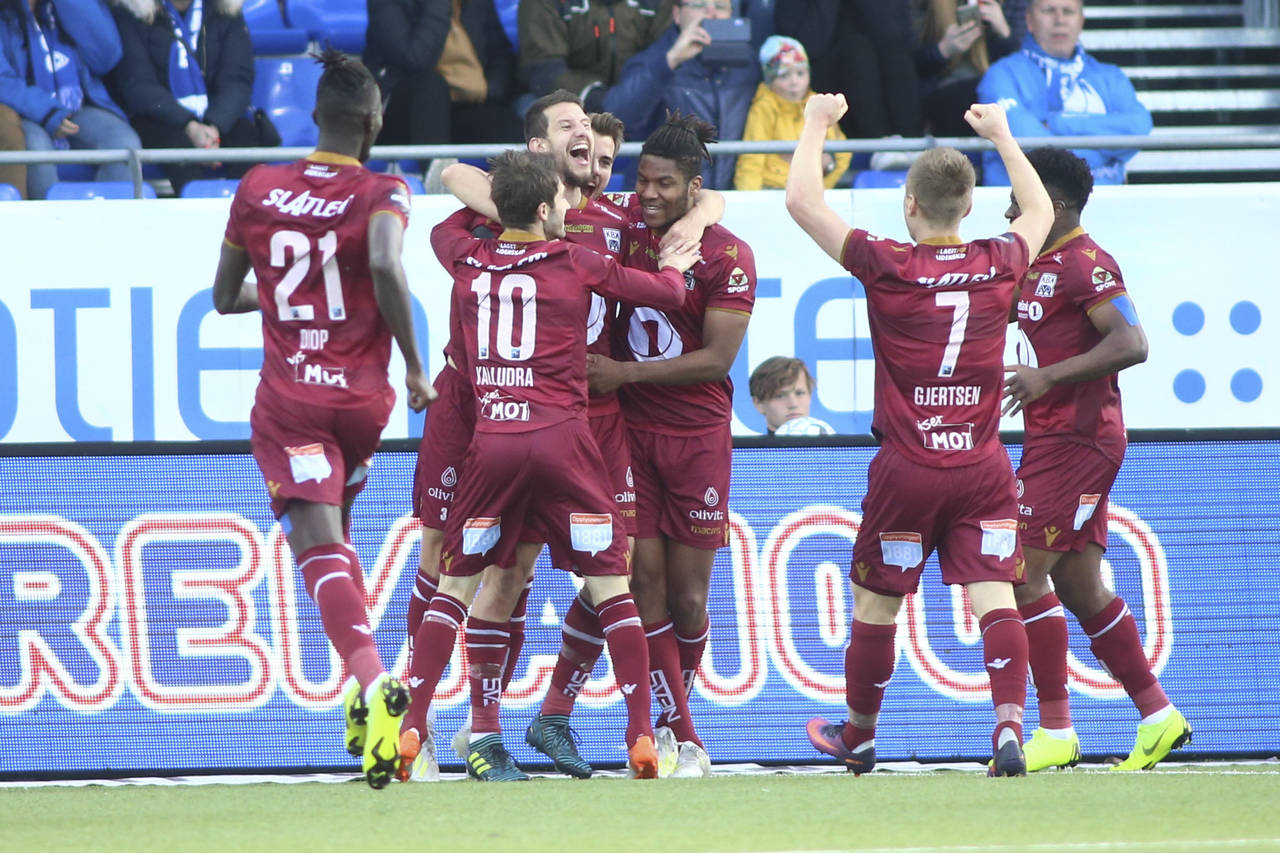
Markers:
(135, 172)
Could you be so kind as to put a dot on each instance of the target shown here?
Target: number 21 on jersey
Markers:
(295, 245)
(515, 294)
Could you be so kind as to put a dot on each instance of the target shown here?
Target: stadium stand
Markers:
(89, 190)
(875, 178)
(285, 87)
(341, 23)
(210, 188)
(1201, 69)
(8, 192)
(270, 31)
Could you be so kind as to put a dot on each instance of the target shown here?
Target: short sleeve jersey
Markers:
(602, 226)
(305, 226)
(938, 314)
(522, 304)
(1064, 285)
(723, 280)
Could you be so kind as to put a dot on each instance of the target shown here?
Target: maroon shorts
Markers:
(968, 514)
(314, 453)
(550, 477)
(1062, 495)
(682, 486)
(610, 434)
(451, 421)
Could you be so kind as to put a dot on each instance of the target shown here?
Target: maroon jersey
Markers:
(599, 225)
(724, 280)
(523, 306)
(305, 226)
(1065, 283)
(478, 226)
(938, 314)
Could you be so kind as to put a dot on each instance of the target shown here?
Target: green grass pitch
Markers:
(1223, 807)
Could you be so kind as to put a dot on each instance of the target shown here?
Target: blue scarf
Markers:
(1067, 92)
(54, 64)
(186, 81)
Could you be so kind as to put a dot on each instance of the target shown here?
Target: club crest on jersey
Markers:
(612, 239)
(689, 281)
(903, 549)
(1102, 279)
(590, 532)
(738, 281)
(1046, 285)
(480, 534)
(308, 462)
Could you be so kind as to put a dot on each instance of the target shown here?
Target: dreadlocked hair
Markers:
(683, 140)
(344, 90)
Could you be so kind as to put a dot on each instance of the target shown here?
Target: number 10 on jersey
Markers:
(504, 340)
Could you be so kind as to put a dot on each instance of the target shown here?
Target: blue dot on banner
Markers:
(1246, 385)
(1188, 318)
(1188, 386)
(1246, 317)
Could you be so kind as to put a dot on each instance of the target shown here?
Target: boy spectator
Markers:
(53, 56)
(782, 389)
(777, 112)
(186, 79)
(1052, 87)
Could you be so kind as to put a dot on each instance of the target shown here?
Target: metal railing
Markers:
(137, 157)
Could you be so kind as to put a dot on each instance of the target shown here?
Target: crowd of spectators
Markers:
(180, 73)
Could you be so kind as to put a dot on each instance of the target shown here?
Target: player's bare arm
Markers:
(806, 194)
(470, 185)
(1123, 344)
(231, 293)
(722, 334)
(989, 122)
(686, 232)
(391, 289)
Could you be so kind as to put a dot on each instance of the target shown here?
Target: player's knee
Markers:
(688, 610)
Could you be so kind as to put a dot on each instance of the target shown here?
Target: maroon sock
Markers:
(432, 648)
(1113, 636)
(868, 666)
(1004, 652)
(581, 641)
(691, 649)
(1046, 625)
(515, 629)
(487, 644)
(622, 631)
(423, 590)
(665, 680)
(328, 571)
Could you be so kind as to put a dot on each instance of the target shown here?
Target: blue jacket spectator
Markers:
(193, 90)
(671, 75)
(53, 55)
(1052, 87)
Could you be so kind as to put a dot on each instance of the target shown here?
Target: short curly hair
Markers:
(1066, 176)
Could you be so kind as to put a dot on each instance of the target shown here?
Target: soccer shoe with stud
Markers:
(642, 758)
(1044, 751)
(692, 762)
(827, 738)
(489, 761)
(417, 757)
(1008, 761)
(551, 735)
(668, 751)
(356, 714)
(1156, 741)
(382, 739)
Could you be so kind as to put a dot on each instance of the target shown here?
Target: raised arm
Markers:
(391, 289)
(806, 194)
(470, 185)
(1123, 344)
(988, 121)
(231, 293)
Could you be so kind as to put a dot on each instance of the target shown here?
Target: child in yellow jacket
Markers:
(777, 112)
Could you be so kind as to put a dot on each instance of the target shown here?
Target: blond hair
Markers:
(942, 179)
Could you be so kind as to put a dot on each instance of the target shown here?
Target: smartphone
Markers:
(968, 14)
(730, 41)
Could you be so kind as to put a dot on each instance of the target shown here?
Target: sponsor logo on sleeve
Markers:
(903, 549)
(480, 534)
(999, 537)
(590, 532)
(308, 462)
(1102, 279)
(738, 281)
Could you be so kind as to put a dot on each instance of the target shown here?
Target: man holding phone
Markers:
(702, 64)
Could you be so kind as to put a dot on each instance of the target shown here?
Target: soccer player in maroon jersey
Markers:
(323, 237)
(938, 308)
(608, 130)
(523, 310)
(677, 398)
(1078, 330)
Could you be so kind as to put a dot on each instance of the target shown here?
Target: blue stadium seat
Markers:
(342, 23)
(872, 178)
(82, 190)
(415, 185)
(286, 89)
(76, 172)
(210, 188)
(8, 192)
(268, 30)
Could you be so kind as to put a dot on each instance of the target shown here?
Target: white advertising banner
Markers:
(108, 333)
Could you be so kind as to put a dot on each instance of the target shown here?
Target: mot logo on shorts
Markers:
(712, 497)
(449, 477)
